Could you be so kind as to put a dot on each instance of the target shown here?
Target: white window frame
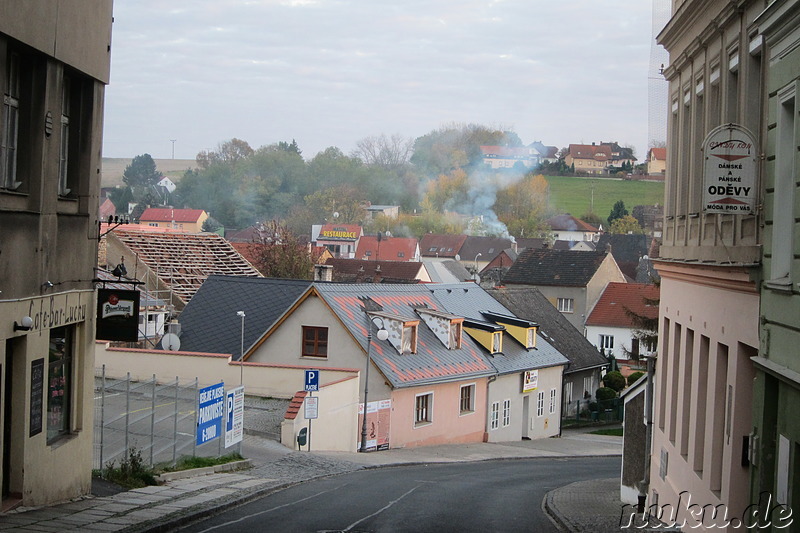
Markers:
(567, 392)
(506, 412)
(784, 187)
(566, 305)
(63, 155)
(9, 135)
(471, 400)
(605, 342)
(408, 339)
(494, 420)
(540, 404)
(553, 402)
(588, 385)
(497, 342)
(427, 417)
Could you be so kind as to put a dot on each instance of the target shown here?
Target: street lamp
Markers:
(476, 264)
(241, 352)
(382, 335)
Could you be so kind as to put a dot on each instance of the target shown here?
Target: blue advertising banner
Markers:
(210, 410)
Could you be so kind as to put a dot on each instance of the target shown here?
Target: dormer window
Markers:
(497, 342)
(523, 331)
(402, 331)
(409, 339)
(447, 328)
(455, 334)
(489, 335)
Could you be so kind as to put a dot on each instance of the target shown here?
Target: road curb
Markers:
(555, 516)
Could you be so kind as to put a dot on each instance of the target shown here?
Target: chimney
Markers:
(323, 272)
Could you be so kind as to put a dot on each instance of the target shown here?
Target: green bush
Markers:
(614, 380)
(634, 377)
(605, 393)
(132, 472)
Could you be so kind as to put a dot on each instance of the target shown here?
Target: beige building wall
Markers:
(703, 388)
(284, 346)
(259, 379)
(336, 427)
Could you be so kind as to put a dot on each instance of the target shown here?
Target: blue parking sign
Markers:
(312, 380)
(210, 410)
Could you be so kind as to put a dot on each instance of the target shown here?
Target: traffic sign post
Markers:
(312, 380)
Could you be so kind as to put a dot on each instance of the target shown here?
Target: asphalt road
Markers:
(485, 496)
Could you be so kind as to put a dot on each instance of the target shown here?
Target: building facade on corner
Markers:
(709, 264)
(54, 65)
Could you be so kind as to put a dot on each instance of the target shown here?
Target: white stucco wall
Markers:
(522, 424)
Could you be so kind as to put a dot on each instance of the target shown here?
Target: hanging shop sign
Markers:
(117, 315)
(729, 176)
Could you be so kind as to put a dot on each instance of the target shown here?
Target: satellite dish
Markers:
(458, 257)
(171, 342)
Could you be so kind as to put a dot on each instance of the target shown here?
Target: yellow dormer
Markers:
(488, 335)
(523, 331)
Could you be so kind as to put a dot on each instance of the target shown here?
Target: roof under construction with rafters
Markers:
(183, 261)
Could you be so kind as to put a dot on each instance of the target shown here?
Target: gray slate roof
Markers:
(209, 322)
(562, 268)
(529, 303)
(433, 362)
(447, 271)
(468, 300)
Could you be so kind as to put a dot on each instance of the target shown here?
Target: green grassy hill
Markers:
(574, 195)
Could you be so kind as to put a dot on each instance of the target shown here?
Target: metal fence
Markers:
(158, 421)
(594, 410)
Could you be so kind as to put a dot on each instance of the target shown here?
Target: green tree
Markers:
(618, 211)
(523, 206)
(634, 377)
(291, 147)
(141, 173)
(230, 152)
(280, 254)
(449, 191)
(626, 225)
(121, 197)
(605, 393)
(614, 380)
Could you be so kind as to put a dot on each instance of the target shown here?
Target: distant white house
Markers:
(167, 184)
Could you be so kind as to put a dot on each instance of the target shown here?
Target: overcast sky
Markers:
(331, 72)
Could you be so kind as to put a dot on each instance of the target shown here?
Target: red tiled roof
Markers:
(658, 154)
(294, 406)
(617, 297)
(433, 245)
(590, 151)
(166, 214)
(390, 248)
(569, 223)
(107, 209)
(360, 271)
(505, 151)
